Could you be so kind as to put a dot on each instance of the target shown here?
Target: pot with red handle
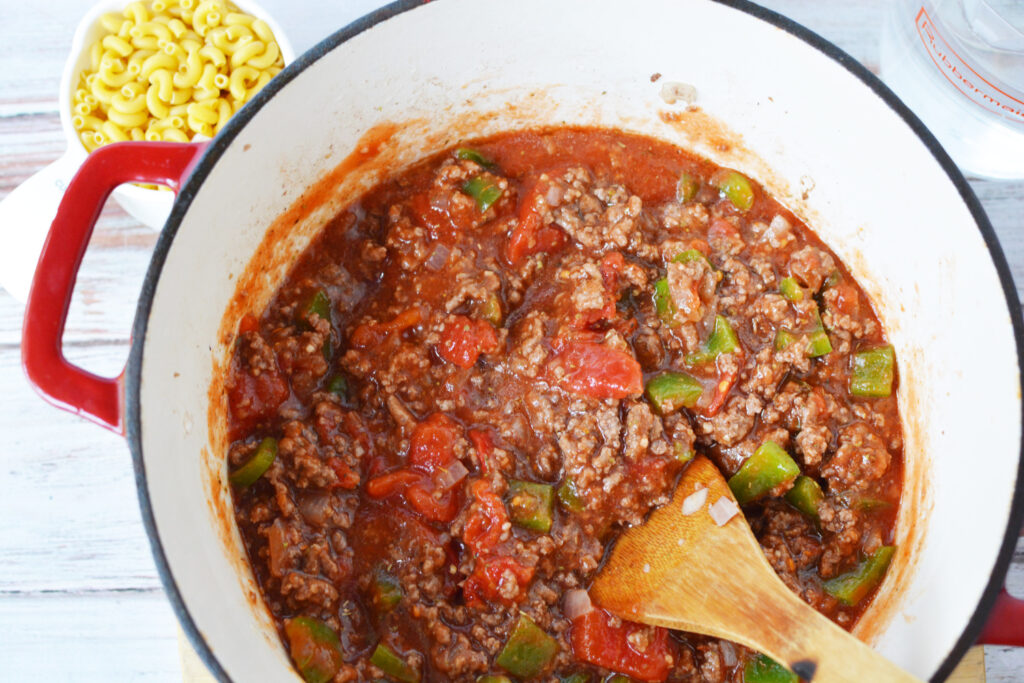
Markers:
(818, 130)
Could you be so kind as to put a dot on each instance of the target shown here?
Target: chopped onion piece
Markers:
(452, 475)
(728, 652)
(723, 510)
(695, 501)
(437, 258)
(577, 603)
(672, 92)
(553, 197)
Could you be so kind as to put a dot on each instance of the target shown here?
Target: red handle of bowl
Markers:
(60, 382)
(1005, 623)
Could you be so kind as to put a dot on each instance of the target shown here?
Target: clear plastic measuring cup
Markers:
(959, 64)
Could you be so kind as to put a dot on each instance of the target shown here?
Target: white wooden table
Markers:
(79, 595)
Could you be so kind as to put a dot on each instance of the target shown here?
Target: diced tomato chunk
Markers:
(643, 652)
(531, 235)
(444, 220)
(483, 444)
(847, 301)
(249, 323)
(497, 579)
(611, 267)
(700, 245)
(390, 483)
(596, 370)
(441, 508)
(433, 442)
(373, 334)
(487, 518)
(432, 447)
(253, 399)
(347, 478)
(419, 491)
(437, 221)
(464, 339)
(481, 536)
(722, 386)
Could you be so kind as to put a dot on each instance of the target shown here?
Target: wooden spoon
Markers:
(686, 572)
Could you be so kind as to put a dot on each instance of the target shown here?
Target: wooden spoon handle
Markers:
(817, 650)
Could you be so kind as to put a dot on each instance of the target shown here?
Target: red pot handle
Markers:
(66, 385)
(1005, 622)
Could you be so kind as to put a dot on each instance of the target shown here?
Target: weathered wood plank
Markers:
(69, 516)
(127, 636)
(853, 26)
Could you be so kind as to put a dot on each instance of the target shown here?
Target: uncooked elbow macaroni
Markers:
(171, 70)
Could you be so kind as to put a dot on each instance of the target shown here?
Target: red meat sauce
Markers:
(430, 352)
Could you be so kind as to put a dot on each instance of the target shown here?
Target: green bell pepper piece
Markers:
(818, 344)
(392, 665)
(528, 651)
(832, 280)
(670, 391)
(687, 188)
(385, 591)
(338, 386)
(570, 497)
(790, 290)
(531, 505)
(618, 678)
(768, 467)
(578, 677)
(762, 669)
(736, 188)
(869, 504)
(315, 648)
(470, 154)
(484, 190)
(783, 338)
(490, 310)
(663, 303)
(722, 340)
(690, 256)
(682, 453)
(318, 303)
(246, 475)
(872, 371)
(805, 496)
(850, 588)
(493, 678)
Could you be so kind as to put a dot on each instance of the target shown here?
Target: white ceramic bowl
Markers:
(148, 206)
(26, 213)
(777, 102)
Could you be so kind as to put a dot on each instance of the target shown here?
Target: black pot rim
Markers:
(217, 147)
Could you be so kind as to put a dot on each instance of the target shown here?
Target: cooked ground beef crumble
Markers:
(493, 362)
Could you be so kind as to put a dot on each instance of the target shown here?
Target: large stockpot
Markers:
(772, 99)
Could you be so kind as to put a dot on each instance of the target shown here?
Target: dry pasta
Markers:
(171, 70)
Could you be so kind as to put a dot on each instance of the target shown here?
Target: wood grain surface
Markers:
(80, 598)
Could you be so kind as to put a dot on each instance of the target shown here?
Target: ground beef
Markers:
(486, 325)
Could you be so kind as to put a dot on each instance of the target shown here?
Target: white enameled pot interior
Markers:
(876, 195)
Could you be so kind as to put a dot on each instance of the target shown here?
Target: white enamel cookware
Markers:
(772, 99)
